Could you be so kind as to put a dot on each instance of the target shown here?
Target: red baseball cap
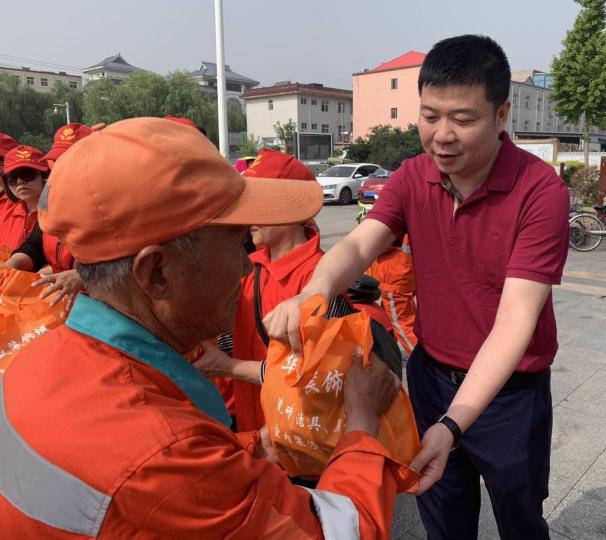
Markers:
(6, 143)
(65, 137)
(184, 121)
(24, 157)
(276, 164)
(147, 181)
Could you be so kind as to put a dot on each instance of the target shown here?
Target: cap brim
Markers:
(36, 166)
(266, 201)
(54, 154)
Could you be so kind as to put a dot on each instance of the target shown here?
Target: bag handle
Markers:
(258, 313)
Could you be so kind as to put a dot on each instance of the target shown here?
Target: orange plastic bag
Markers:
(23, 315)
(303, 399)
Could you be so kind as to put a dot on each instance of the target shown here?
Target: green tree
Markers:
(101, 103)
(286, 134)
(579, 77)
(387, 146)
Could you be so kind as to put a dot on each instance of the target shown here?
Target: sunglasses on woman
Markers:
(26, 175)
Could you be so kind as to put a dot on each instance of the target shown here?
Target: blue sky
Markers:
(269, 40)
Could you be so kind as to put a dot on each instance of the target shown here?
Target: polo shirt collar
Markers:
(103, 323)
(503, 175)
(287, 264)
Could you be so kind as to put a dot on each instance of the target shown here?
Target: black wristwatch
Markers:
(454, 429)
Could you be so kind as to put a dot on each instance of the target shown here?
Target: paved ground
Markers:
(576, 507)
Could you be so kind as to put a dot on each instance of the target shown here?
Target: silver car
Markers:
(342, 182)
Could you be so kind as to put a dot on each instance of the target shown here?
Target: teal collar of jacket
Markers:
(101, 322)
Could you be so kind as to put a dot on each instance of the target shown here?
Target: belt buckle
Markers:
(457, 377)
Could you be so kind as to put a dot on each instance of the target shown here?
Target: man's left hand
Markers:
(431, 460)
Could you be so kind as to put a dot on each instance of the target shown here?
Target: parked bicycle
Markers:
(587, 230)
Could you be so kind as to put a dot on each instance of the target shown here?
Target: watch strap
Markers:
(454, 429)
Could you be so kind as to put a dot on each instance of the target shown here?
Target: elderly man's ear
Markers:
(151, 270)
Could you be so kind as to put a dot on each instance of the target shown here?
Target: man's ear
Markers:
(149, 271)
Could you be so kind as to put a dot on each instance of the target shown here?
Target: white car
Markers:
(342, 182)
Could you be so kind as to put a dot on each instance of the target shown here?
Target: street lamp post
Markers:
(66, 106)
(221, 90)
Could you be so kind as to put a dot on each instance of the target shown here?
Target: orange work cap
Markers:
(146, 181)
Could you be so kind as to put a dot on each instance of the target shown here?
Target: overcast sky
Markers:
(321, 41)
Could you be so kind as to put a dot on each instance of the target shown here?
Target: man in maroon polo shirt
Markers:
(488, 229)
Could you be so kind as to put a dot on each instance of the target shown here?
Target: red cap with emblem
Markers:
(6, 143)
(24, 157)
(65, 137)
(276, 164)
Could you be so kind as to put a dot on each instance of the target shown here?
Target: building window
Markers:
(233, 87)
(340, 107)
(538, 126)
(325, 128)
(394, 84)
(568, 129)
(303, 101)
(525, 125)
(527, 103)
(314, 102)
(314, 127)
(514, 100)
(394, 113)
(513, 124)
(303, 126)
(539, 103)
(73, 85)
(30, 81)
(324, 105)
(270, 104)
(43, 82)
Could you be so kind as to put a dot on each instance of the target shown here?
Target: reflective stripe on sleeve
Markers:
(337, 514)
(396, 323)
(43, 491)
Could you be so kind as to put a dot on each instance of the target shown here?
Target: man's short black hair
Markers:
(466, 61)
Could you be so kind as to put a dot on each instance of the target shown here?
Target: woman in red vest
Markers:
(24, 175)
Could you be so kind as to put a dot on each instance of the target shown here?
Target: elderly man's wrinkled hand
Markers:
(283, 322)
(369, 392)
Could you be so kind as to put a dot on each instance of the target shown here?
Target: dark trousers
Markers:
(508, 446)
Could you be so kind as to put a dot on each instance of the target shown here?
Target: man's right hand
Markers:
(283, 322)
(369, 392)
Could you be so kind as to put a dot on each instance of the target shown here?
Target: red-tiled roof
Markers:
(407, 60)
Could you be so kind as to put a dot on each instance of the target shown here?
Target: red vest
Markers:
(57, 255)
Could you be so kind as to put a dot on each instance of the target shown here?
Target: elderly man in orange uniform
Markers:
(107, 431)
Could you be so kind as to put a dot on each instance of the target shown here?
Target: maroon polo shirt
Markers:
(514, 225)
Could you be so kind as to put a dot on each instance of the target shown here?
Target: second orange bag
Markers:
(23, 315)
(303, 398)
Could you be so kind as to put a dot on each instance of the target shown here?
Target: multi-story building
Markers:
(235, 83)
(113, 68)
(533, 113)
(43, 81)
(314, 108)
(387, 94)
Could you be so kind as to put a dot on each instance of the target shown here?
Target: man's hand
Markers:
(283, 322)
(66, 283)
(265, 448)
(431, 460)
(214, 363)
(369, 392)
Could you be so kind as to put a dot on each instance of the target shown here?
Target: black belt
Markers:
(518, 379)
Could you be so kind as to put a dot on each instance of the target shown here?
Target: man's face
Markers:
(208, 291)
(459, 128)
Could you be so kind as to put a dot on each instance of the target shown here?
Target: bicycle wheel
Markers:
(583, 229)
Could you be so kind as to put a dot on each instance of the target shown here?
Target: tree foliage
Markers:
(585, 183)
(286, 134)
(386, 146)
(579, 77)
(30, 116)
